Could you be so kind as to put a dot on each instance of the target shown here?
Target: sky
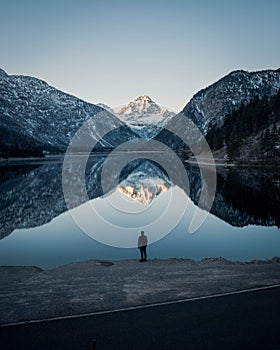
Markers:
(113, 51)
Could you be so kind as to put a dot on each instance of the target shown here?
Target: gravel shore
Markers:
(30, 293)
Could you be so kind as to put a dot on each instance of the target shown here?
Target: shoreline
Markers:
(110, 262)
(29, 293)
(238, 163)
(189, 160)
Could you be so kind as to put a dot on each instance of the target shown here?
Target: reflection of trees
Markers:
(31, 195)
(244, 196)
(252, 192)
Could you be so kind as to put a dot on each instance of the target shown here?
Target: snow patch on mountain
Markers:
(106, 107)
(144, 116)
(212, 104)
(30, 109)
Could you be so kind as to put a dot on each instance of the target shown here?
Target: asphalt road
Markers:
(242, 321)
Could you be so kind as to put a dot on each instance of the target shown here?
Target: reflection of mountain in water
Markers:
(31, 195)
(145, 183)
(244, 196)
(252, 195)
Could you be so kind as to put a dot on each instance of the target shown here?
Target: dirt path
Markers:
(28, 293)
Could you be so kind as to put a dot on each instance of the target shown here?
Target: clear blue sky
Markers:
(113, 51)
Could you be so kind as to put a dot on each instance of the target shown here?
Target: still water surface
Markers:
(38, 229)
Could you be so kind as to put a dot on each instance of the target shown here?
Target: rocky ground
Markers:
(29, 293)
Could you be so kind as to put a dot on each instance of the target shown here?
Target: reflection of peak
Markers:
(144, 195)
(31, 194)
(145, 183)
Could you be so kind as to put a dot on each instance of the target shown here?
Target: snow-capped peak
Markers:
(140, 106)
(144, 116)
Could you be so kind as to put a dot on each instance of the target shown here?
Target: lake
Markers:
(51, 215)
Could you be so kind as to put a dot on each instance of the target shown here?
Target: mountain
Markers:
(36, 117)
(211, 105)
(144, 116)
(250, 132)
(106, 107)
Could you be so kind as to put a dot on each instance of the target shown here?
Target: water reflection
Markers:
(145, 183)
(38, 229)
(31, 194)
(244, 195)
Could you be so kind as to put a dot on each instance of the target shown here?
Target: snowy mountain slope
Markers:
(213, 103)
(251, 132)
(106, 107)
(30, 109)
(144, 116)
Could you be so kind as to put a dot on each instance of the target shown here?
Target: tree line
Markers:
(15, 145)
(258, 116)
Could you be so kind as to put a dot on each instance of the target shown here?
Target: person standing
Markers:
(142, 245)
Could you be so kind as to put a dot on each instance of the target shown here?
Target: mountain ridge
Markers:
(210, 105)
(238, 86)
(37, 117)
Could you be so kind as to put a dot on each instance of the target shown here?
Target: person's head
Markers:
(142, 233)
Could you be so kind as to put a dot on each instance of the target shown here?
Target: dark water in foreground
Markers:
(38, 229)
